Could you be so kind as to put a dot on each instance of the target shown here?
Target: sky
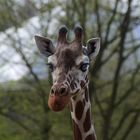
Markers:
(14, 69)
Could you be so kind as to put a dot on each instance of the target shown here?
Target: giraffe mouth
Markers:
(57, 103)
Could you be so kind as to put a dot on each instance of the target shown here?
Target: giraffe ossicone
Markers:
(69, 63)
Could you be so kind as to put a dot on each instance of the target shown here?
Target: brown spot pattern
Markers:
(86, 94)
(90, 137)
(75, 85)
(79, 110)
(68, 80)
(84, 102)
(87, 122)
(74, 97)
(67, 83)
(77, 133)
(72, 86)
(76, 91)
(82, 84)
(78, 80)
(70, 76)
(86, 78)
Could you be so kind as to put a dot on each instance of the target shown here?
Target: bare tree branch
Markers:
(98, 19)
(22, 125)
(131, 88)
(123, 31)
(122, 121)
(131, 125)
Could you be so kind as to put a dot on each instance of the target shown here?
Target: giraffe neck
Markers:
(81, 116)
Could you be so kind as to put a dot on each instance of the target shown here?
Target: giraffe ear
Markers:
(45, 45)
(93, 47)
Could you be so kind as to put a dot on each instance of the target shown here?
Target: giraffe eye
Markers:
(84, 67)
(51, 67)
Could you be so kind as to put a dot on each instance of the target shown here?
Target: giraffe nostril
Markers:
(52, 92)
(62, 91)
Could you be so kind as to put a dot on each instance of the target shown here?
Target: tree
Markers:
(119, 47)
(114, 76)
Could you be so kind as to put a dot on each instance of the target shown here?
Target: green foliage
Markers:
(23, 111)
(12, 13)
(114, 76)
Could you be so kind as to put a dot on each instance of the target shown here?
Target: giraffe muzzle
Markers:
(58, 98)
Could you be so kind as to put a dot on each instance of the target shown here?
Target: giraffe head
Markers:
(68, 63)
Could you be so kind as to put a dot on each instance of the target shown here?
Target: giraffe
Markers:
(69, 63)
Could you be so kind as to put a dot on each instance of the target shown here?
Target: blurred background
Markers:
(114, 76)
